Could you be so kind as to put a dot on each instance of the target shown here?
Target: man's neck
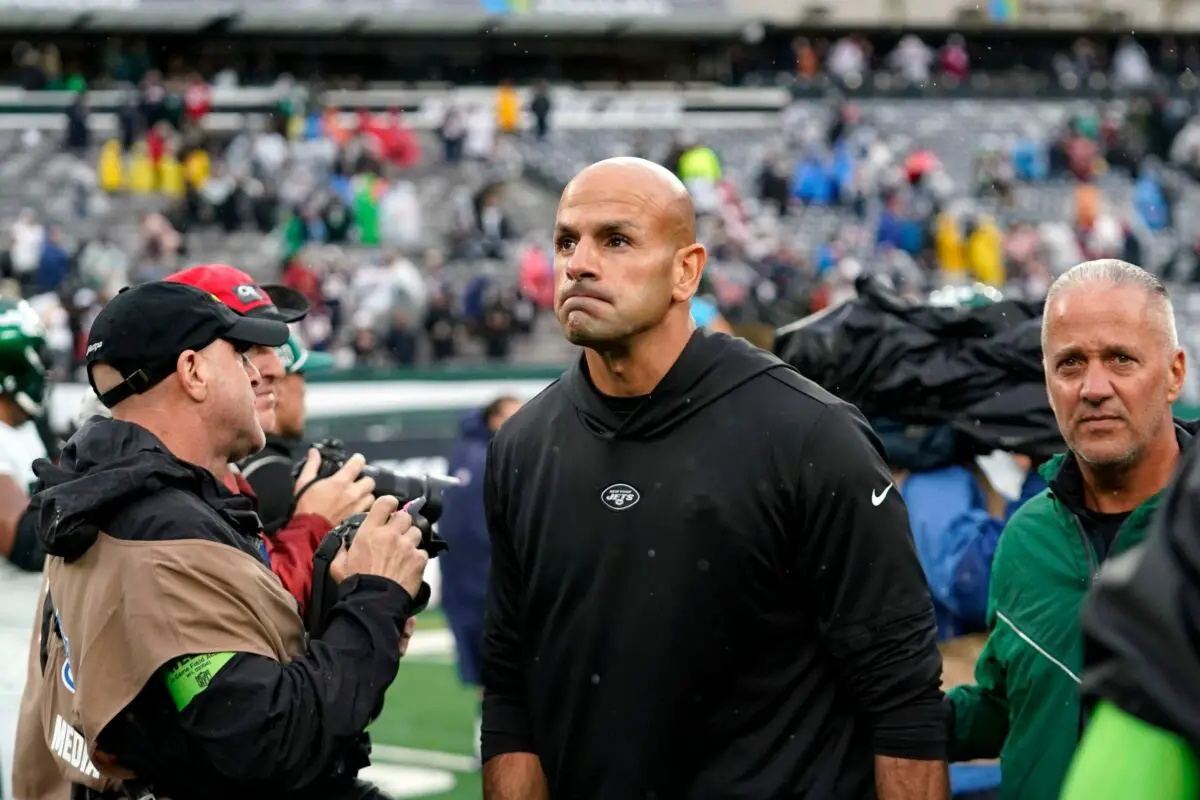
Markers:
(186, 442)
(634, 370)
(1117, 491)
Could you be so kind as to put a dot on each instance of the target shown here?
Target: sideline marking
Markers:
(401, 782)
(430, 643)
(455, 762)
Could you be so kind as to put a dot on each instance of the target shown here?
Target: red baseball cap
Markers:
(238, 290)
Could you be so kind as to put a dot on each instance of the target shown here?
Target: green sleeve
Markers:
(980, 718)
(190, 676)
(1121, 757)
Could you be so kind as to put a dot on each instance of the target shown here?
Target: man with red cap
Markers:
(330, 500)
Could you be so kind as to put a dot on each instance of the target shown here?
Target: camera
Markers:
(420, 495)
(405, 488)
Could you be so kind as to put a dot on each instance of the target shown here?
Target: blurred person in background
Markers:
(1113, 370)
(24, 361)
(464, 527)
(953, 57)
(55, 262)
(985, 253)
(453, 132)
(480, 140)
(700, 170)
(707, 314)
(540, 105)
(913, 59)
(23, 364)
(28, 236)
(442, 325)
(497, 323)
(103, 266)
(78, 134)
(508, 108)
(957, 511)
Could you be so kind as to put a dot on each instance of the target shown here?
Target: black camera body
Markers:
(404, 488)
(420, 495)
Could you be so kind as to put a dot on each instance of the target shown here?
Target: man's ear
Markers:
(688, 267)
(194, 375)
(1178, 374)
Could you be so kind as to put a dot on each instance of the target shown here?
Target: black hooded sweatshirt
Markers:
(259, 729)
(710, 592)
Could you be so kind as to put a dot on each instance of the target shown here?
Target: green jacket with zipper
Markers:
(1025, 704)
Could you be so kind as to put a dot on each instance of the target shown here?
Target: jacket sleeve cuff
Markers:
(506, 726)
(950, 717)
(916, 730)
(377, 591)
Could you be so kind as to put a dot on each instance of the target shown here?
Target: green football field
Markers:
(423, 740)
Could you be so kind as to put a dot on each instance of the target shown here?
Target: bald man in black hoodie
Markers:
(703, 582)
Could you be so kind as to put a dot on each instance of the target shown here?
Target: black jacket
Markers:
(269, 473)
(1142, 620)
(259, 729)
(710, 593)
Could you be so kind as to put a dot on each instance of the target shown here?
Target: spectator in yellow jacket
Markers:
(171, 181)
(110, 168)
(985, 252)
(948, 244)
(197, 166)
(508, 109)
(141, 170)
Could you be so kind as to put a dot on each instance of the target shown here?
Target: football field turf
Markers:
(423, 740)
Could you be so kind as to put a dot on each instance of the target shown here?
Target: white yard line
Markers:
(455, 762)
(431, 643)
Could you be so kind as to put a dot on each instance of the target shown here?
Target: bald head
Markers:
(665, 193)
(626, 259)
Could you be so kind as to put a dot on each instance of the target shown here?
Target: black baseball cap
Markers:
(144, 329)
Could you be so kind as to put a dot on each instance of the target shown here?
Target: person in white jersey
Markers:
(24, 359)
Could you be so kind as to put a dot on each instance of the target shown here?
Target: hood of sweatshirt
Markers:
(711, 366)
(109, 465)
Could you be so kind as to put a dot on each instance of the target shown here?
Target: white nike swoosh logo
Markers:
(876, 499)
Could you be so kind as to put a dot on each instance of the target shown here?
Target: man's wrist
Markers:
(377, 590)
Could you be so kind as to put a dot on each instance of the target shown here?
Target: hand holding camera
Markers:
(340, 495)
(388, 544)
(333, 560)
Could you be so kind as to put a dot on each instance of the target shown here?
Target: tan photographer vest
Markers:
(125, 609)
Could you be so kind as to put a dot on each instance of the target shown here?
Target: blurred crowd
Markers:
(332, 199)
(1127, 64)
(897, 210)
(337, 200)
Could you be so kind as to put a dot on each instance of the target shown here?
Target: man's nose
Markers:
(252, 372)
(583, 262)
(1097, 384)
(268, 362)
